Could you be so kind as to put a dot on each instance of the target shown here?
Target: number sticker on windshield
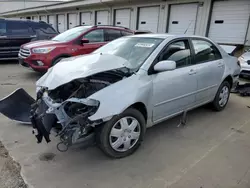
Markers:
(145, 45)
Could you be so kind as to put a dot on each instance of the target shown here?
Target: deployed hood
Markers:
(40, 43)
(79, 67)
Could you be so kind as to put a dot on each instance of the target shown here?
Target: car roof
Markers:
(105, 26)
(22, 20)
(166, 35)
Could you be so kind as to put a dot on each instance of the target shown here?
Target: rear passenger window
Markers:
(112, 34)
(205, 51)
(18, 28)
(125, 33)
(2, 28)
(178, 52)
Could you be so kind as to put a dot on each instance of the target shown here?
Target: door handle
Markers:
(192, 71)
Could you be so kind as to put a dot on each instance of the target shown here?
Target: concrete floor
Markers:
(213, 150)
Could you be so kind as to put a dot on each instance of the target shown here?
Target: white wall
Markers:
(9, 5)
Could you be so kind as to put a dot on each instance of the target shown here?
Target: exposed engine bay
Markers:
(66, 109)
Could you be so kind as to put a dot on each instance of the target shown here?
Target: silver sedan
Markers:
(114, 94)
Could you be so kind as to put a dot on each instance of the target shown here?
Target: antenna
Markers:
(188, 26)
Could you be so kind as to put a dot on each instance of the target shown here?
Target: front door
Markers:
(174, 91)
(96, 40)
(210, 69)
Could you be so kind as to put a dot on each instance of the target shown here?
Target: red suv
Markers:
(41, 55)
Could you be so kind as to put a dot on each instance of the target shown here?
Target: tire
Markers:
(114, 146)
(219, 103)
(56, 61)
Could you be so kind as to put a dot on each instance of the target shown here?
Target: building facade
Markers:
(225, 21)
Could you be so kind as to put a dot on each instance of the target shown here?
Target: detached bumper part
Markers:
(17, 106)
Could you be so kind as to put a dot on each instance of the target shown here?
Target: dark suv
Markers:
(41, 55)
(14, 33)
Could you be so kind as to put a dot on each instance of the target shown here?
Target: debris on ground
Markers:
(10, 176)
(242, 89)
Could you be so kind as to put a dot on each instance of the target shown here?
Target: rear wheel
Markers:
(123, 134)
(222, 96)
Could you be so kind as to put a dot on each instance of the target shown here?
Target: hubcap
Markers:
(124, 134)
(223, 98)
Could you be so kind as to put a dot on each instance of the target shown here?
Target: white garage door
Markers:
(35, 18)
(182, 18)
(61, 23)
(43, 18)
(52, 21)
(86, 18)
(123, 17)
(149, 18)
(229, 21)
(72, 20)
(102, 17)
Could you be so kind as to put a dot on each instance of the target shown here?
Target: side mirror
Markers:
(84, 40)
(165, 66)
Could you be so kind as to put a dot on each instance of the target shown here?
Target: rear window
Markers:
(113, 34)
(2, 27)
(46, 28)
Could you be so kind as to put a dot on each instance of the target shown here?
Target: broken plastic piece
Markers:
(17, 106)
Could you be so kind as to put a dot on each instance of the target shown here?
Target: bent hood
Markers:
(79, 67)
(40, 43)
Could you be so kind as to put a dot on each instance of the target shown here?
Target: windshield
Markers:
(71, 34)
(134, 49)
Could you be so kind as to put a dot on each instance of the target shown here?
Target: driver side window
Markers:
(95, 36)
(179, 52)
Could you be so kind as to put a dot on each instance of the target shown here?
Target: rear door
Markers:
(209, 68)
(20, 33)
(4, 41)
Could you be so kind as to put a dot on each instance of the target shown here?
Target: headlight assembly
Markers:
(43, 50)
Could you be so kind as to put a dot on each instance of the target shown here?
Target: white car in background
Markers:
(245, 64)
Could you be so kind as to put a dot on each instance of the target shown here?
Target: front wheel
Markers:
(222, 96)
(123, 134)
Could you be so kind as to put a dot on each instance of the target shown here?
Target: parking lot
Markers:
(212, 150)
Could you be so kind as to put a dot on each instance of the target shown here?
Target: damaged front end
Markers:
(66, 109)
(63, 104)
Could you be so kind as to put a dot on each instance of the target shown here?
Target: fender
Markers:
(114, 100)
